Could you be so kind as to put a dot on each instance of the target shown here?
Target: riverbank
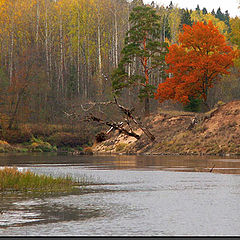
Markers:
(45, 138)
(39, 146)
(216, 132)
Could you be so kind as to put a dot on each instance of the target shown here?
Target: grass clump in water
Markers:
(13, 180)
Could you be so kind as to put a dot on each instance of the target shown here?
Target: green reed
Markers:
(13, 180)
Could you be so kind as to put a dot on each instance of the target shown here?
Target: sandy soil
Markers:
(216, 132)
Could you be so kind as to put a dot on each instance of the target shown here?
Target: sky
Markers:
(230, 5)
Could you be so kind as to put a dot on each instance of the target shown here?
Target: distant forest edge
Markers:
(56, 55)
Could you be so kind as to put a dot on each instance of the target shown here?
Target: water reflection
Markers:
(214, 164)
(129, 196)
(40, 212)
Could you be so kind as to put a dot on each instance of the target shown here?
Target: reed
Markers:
(13, 180)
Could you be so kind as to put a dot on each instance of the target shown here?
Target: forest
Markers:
(58, 55)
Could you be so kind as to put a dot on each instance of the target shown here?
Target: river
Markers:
(131, 196)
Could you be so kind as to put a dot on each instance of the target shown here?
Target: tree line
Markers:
(55, 54)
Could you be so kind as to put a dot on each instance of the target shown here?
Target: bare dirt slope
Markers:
(216, 132)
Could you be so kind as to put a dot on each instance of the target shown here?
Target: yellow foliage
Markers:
(34, 145)
(4, 143)
(200, 17)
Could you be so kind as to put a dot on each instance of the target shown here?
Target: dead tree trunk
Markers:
(138, 123)
(116, 126)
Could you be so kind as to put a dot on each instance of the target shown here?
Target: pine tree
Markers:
(197, 8)
(227, 19)
(186, 17)
(204, 11)
(219, 14)
(142, 42)
(166, 32)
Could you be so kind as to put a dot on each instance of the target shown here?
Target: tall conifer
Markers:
(142, 42)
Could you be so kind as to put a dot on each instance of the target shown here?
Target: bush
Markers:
(37, 145)
(2, 150)
(5, 147)
(121, 147)
(16, 135)
(66, 149)
(88, 151)
(43, 130)
(64, 139)
(194, 105)
(80, 149)
(101, 137)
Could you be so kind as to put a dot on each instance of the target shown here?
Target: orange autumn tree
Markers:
(195, 64)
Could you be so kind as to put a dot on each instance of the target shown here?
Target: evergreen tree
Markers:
(227, 19)
(220, 15)
(213, 12)
(197, 8)
(142, 42)
(186, 17)
(204, 11)
(165, 28)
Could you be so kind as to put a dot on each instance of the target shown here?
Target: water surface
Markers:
(132, 196)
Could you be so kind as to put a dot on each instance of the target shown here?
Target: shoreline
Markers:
(164, 154)
(216, 133)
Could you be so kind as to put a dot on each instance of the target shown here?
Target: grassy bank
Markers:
(13, 180)
(46, 138)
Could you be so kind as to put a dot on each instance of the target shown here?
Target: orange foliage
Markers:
(196, 64)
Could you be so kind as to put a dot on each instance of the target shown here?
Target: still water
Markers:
(131, 196)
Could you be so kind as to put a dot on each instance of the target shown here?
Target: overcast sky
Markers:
(230, 5)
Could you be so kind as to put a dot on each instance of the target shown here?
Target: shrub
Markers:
(101, 137)
(37, 145)
(121, 147)
(2, 150)
(88, 151)
(16, 135)
(67, 149)
(79, 149)
(194, 105)
(5, 146)
(63, 139)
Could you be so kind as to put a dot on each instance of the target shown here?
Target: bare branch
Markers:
(138, 123)
(116, 126)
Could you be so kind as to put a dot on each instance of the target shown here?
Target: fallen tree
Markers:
(129, 118)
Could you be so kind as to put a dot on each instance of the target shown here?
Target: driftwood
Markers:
(116, 126)
(138, 123)
(212, 168)
(192, 124)
(113, 125)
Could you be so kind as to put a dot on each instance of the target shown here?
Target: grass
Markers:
(121, 147)
(13, 180)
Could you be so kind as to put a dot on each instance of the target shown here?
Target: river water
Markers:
(131, 196)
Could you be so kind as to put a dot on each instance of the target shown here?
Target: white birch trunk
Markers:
(46, 38)
(61, 53)
(116, 36)
(78, 59)
(11, 59)
(99, 58)
(37, 25)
